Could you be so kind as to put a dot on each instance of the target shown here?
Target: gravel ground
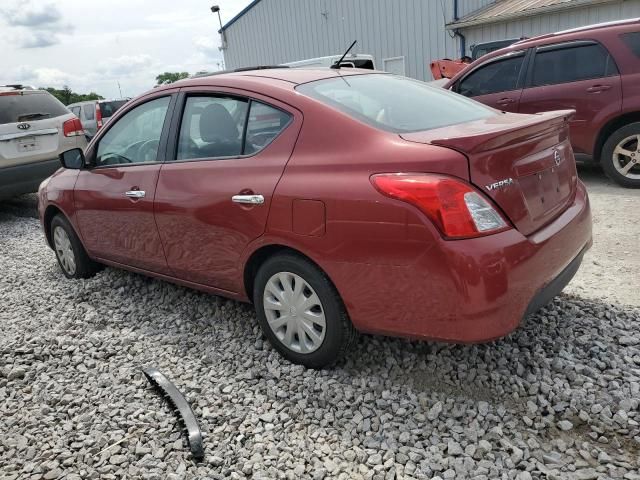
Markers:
(557, 399)
(611, 268)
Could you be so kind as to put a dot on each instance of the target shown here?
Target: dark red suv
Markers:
(594, 70)
(334, 200)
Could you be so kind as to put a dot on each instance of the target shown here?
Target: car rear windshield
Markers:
(29, 107)
(395, 104)
(109, 108)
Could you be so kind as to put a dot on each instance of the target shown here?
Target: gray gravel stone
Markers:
(71, 351)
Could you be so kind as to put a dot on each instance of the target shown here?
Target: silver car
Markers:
(94, 113)
(34, 128)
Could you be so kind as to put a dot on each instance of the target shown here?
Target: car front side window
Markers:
(134, 137)
(498, 76)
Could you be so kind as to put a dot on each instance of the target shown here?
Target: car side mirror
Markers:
(72, 159)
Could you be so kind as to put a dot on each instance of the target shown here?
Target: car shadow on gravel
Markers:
(20, 206)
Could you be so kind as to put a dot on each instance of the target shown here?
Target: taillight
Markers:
(98, 116)
(456, 208)
(72, 128)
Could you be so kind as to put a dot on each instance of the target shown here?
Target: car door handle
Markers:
(598, 88)
(136, 193)
(506, 101)
(248, 199)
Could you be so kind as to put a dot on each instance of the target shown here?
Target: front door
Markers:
(578, 75)
(497, 83)
(213, 199)
(114, 196)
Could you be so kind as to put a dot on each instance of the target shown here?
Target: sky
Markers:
(92, 45)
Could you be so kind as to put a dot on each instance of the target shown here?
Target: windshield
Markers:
(28, 107)
(109, 108)
(395, 104)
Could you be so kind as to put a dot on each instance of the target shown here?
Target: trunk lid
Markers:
(524, 163)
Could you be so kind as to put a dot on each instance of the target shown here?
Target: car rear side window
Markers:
(553, 65)
(107, 109)
(219, 127)
(89, 111)
(633, 42)
(498, 76)
(212, 127)
(28, 107)
(264, 125)
(393, 103)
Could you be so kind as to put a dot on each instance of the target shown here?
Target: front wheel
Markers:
(300, 311)
(71, 255)
(620, 157)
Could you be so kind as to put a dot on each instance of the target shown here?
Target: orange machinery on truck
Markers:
(446, 68)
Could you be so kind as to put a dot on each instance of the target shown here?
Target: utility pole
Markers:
(223, 47)
(120, 89)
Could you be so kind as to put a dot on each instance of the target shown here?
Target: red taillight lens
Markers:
(98, 116)
(72, 128)
(456, 208)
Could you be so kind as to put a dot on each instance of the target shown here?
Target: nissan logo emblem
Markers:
(557, 157)
(24, 126)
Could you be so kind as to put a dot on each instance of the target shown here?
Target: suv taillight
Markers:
(456, 208)
(98, 116)
(72, 128)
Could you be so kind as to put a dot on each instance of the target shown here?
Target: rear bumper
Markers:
(20, 179)
(469, 290)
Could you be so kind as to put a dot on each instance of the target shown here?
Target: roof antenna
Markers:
(336, 65)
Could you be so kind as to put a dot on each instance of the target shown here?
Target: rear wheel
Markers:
(300, 311)
(620, 157)
(71, 255)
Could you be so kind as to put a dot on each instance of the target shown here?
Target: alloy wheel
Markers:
(294, 312)
(64, 250)
(626, 157)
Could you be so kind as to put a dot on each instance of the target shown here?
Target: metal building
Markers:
(404, 36)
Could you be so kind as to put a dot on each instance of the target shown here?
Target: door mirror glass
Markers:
(72, 159)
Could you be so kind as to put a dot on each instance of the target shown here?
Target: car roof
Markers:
(295, 76)
(21, 91)
(578, 30)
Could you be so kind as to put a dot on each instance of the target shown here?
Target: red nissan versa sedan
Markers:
(334, 200)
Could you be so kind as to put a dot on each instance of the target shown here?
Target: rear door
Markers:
(229, 150)
(88, 119)
(581, 76)
(497, 82)
(114, 197)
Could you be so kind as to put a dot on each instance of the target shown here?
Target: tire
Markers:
(626, 138)
(321, 344)
(71, 255)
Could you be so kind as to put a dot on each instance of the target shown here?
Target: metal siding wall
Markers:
(542, 24)
(278, 31)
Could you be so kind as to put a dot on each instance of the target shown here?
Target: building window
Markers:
(394, 65)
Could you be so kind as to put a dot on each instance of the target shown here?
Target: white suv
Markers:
(34, 128)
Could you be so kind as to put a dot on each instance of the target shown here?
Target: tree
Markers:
(66, 96)
(170, 77)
